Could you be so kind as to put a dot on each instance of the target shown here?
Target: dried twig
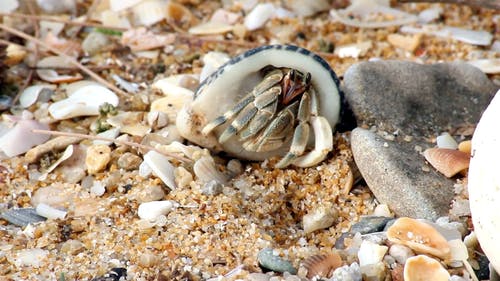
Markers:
(122, 142)
(492, 4)
(65, 21)
(68, 58)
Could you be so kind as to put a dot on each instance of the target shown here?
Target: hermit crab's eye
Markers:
(270, 101)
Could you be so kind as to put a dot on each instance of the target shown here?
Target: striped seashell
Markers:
(321, 265)
(449, 162)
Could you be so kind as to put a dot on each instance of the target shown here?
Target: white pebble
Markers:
(319, 218)
(30, 257)
(430, 14)
(259, 16)
(382, 210)
(400, 253)
(152, 210)
(98, 188)
(49, 212)
(445, 140)
(370, 253)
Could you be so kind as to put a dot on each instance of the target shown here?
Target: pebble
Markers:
(54, 195)
(370, 224)
(212, 188)
(416, 99)
(94, 42)
(373, 272)
(400, 253)
(347, 273)
(30, 257)
(319, 218)
(148, 193)
(395, 176)
(115, 274)
(72, 247)
(129, 161)
(258, 277)
(370, 253)
(97, 158)
(268, 260)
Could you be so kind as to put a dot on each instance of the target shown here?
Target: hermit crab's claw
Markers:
(323, 143)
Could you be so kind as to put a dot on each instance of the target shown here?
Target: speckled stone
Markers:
(369, 224)
(275, 263)
(399, 177)
(417, 99)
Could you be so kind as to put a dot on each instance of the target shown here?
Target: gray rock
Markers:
(399, 177)
(273, 262)
(369, 224)
(347, 273)
(417, 99)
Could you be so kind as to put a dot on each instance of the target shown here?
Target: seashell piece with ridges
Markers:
(83, 102)
(419, 236)
(206, 171)
(322, 265)
(449, 162)
(424, 268)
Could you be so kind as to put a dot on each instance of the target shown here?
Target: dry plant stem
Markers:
(122, 142)
(36, 55)
(492, 4)
(65, 21)
(70, 59)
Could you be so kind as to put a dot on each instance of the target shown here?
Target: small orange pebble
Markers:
(408, 43)
(321, 265)
(465, 146)
(449, 162)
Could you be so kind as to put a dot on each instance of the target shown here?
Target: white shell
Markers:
(84, 101)
(224, 88)
(371, 253)
(484, 182)
(161, 168)
(31, 93)
(152, 210)
(49, 212)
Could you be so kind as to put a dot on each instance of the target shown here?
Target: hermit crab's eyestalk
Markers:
(277, 100)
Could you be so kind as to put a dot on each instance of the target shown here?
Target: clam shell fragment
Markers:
(449, 162)
(322, 265)
(424, 268)
(419, 236)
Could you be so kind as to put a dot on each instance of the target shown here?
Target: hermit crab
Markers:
(276, 100)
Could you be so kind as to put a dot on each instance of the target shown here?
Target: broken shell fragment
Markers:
(424, 268)
(31, 94)
(21, 138)
(206, 171)
(419, 236)
(45, 72)
(319, 218)
(449, 162)
(161, 167)
(84, 101)
(152, 210)
(321, 265)
(49, 212)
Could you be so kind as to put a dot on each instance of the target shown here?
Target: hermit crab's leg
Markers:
(263, 116)
(228, 115)
(301, 133)
(276, 133)
(323, 137)
(271, 79)
(248, 114)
